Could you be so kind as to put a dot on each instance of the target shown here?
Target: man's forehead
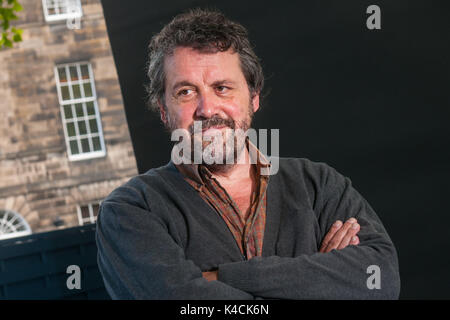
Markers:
(190, 51)
(185, 62)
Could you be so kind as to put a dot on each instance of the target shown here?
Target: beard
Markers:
(232, 135)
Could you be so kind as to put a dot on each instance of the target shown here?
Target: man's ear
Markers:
(162, 112)
(255, 102)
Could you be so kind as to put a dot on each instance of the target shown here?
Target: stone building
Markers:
(64, 139)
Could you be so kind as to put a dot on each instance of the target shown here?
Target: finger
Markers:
(337, 238)
(334, 228)
(210, 275)
(352, 231)
(355, 240)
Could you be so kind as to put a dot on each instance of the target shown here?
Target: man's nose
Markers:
(208, 106)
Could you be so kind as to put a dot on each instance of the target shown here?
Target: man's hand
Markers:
(210, 275)
(340, 236)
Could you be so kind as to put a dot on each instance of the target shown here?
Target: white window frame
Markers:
(92, 218)
(62, 16)
(83, 100)
(12, 220)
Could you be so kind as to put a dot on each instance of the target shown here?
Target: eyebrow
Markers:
(222, 82)
(181, 84)
(214, 84)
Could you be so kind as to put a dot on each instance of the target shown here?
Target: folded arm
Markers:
(337, 274)
(139, 259)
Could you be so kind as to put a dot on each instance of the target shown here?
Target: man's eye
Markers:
(222, 89)
(184, 92)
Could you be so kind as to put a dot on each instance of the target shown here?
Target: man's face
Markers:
(206, 87)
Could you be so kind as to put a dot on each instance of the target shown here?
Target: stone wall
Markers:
(37, 180)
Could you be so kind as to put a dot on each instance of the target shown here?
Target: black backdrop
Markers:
(374, 104)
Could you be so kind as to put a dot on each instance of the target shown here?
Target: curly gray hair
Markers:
(207, 31)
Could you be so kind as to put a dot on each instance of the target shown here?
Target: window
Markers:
(88, 213)
(12, 225)
(55, 10)
(79, 111)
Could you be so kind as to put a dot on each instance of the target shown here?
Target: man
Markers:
(230, 230)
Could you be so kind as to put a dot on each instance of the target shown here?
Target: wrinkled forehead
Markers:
(189, 64)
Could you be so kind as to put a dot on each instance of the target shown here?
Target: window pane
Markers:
(61, 7)
(65, 93)
(70, 129)
(79, 110)
(93, 125)
(73, 73)
(52, 3)
(84, 212)
(62, 74)
(85, 145)
(87, 90)
(96, 143)
(74, 147)
(84, 71)
(79, 118)
(68, 111)
(82, 127)
(76, 91)
(90, 108)
(95, 208)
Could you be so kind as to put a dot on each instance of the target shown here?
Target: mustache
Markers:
(212, 122)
